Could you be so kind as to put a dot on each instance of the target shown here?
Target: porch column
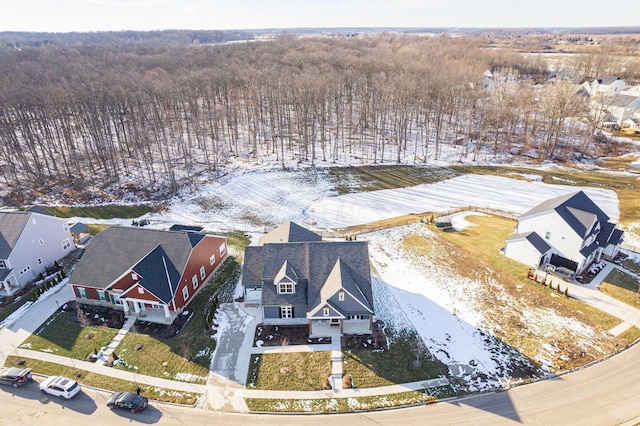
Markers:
(125, 305)
(5, 284)
(136, 307)
(167, 314)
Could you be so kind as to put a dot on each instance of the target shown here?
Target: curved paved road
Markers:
(603, 394)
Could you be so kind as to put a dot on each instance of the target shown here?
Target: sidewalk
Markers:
(590, 294)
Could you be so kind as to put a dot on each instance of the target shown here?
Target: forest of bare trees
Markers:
(94, 121)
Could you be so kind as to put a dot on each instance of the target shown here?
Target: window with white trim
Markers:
(341, 296)
(285, 288)
(325, 312)
(3, 264)
(66, 244)
(547, 235)
(223, 249)
(115, 299)
(39, 261)
(194, 281)
(102, 295)
(185, 293)
(41, 241)
(65, 227)
(157, 306)
(140, 290)
(202, 273)
(82, 292)
(286, 311)
(212, 259)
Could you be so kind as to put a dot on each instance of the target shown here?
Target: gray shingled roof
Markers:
(607, 79)
(623, 100)
(118, 249)
(536, 241)
(313, 262)
(159, 274)
(575, 209)
(11, 226)
(289, 232)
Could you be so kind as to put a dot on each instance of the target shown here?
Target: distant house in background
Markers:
(622, 110)
(30, 241)
(570, 231)
(607, 86)
(149, 274)
(299, 279)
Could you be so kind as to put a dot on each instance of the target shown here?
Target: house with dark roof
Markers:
(149, 274)
(569, 231)
(297, 278)
(30, 241)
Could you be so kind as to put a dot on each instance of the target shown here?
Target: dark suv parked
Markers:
(15, 376)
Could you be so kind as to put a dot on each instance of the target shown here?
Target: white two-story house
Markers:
(29, 243)
(569, 231)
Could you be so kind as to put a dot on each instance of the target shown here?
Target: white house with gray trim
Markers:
(29, 243)
(299, 279)
(569, 231)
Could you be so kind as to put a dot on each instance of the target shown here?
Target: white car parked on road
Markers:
(60, 386)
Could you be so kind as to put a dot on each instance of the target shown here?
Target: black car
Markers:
(15, 376)
(127, 400)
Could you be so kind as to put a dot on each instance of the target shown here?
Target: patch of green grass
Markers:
(95, 229)
(396, 365)
(14, 306)
(349, 404)
(167, 358)
(622, 287)
(62, 336)
(102, 212)
(303, 371)
(372, 178)
(631, 335)
(100, 381)
(631, 265)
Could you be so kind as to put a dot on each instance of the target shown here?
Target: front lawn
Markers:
(371, 368)
(187, 355)
(329, 405)
(62, 335)
(621, 286)
(301, 371)
(88, 378)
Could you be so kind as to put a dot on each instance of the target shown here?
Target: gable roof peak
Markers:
(289, 232)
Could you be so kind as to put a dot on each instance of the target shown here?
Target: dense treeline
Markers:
(22, 39)
(93, 121)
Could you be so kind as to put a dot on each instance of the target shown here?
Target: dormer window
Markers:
(286, 288)
(286, 279)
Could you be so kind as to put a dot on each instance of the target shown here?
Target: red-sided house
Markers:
(148, 273)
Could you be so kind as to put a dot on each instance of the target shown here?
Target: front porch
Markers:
(338, 327)
(144, 312)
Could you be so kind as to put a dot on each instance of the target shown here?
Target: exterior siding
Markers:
(200, 256)
(522, 251)
(272, 311)
(134, 293)
(40, 228)
(565, 241)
